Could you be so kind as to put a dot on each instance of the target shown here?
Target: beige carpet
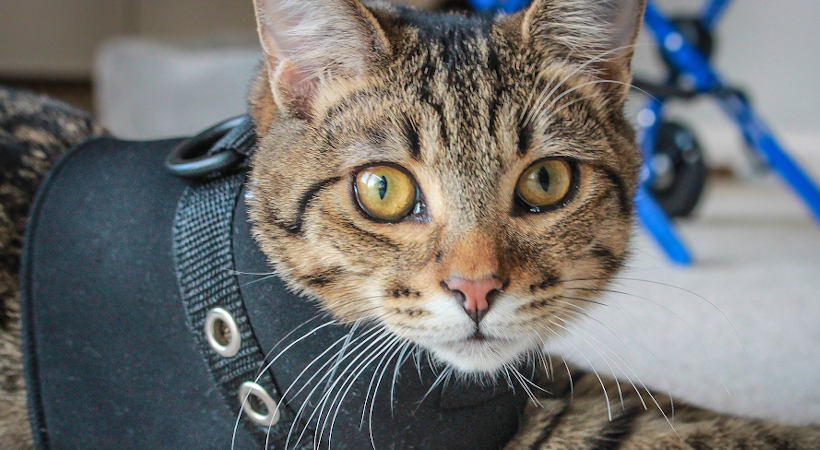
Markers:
(740, 331)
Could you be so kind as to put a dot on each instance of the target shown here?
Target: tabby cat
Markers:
(464, 181)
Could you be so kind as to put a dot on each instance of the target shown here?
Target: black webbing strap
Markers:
(203, 255)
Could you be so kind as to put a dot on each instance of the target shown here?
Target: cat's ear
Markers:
(309, 42)
(599, 32)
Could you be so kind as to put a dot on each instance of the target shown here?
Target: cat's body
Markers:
(34, 132)
(477, 265)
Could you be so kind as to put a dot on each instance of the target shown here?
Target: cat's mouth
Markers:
(480, 352)
(479, 336)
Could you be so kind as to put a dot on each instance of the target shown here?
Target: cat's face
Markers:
(466, 183)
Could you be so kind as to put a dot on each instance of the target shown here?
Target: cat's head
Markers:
(465, 182)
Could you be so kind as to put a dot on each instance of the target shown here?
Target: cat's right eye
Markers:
(386, 193)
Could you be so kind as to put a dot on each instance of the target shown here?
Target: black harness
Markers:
(146, 324)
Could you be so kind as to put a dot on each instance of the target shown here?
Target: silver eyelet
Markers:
(222, 332)
(258, 405)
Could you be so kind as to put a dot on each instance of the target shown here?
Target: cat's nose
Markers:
(477, 294)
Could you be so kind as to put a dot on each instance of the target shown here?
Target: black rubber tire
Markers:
(679, 188)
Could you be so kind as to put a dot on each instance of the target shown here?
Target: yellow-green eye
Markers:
(385, 192)
(545, 183)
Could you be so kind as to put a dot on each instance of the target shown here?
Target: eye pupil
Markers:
(382, 187)
(544, 179)
(544, 184)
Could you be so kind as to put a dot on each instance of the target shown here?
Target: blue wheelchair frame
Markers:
(689, 64)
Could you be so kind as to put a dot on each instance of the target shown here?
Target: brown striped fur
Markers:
(447, 97)
(578, 418)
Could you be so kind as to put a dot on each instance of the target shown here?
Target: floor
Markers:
(738, 331)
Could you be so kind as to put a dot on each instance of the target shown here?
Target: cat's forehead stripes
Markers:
(467, 117)
(462, 117)
(454, 78)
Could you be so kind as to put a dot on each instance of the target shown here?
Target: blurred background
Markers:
(152, 68)
(737, 331)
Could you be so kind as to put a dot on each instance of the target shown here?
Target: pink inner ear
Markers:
(294, 89)
(306, 41)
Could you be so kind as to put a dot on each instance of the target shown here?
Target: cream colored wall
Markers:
(55, 37)
(58, 38)
(177, 18)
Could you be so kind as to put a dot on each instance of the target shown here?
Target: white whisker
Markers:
(350, 381)
(264, 369)
(371, 337)
(375, 392)
(435, 384)
(330, 384)
(605, 358)
(600, 380)
(399, 362)
(615, 354)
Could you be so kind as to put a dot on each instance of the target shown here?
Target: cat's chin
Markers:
(480, 357)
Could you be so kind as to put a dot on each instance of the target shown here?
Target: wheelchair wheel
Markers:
(679, 168)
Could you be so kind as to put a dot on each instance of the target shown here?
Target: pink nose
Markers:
(477, 294)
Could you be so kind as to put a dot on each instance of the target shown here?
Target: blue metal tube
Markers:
(508, 6)
(694, 68)
(651, 215)
(713, 12)
(686, 58)
(771, 151)
(654, 219)
(649, 120)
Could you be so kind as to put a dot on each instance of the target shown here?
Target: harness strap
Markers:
(205, 270)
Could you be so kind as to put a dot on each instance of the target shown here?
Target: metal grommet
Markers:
(258, 404)
(222, 332)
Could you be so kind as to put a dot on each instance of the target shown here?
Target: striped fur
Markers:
(34, 132)
(578, 418)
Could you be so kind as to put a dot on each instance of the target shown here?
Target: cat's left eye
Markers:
(386, 193)
(545, 184)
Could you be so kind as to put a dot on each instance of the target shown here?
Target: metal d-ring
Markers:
(191, 159)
